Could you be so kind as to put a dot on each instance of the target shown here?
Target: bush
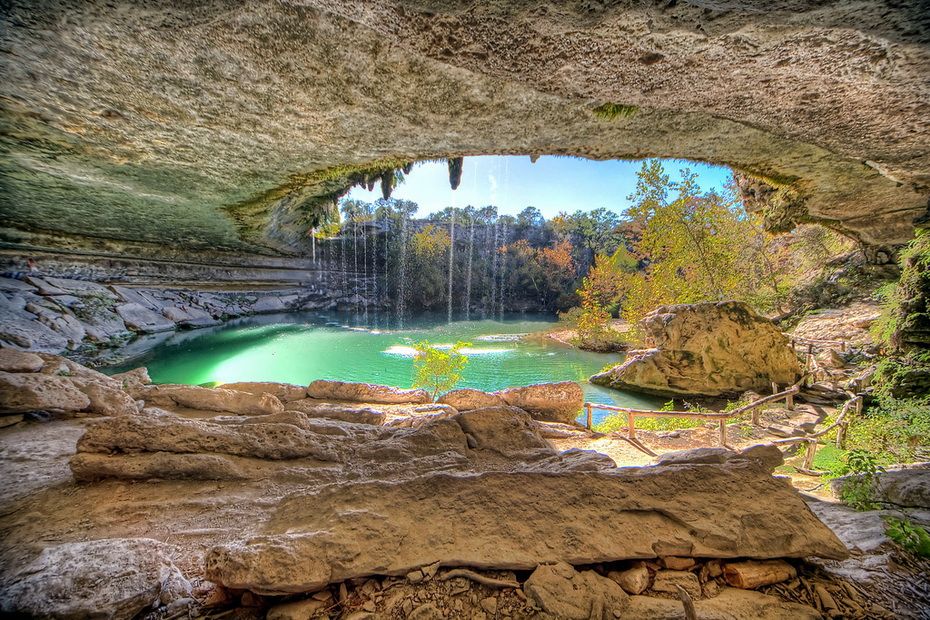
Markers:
(615, 422)
(911, 537)
(436, 369)
(861, 466)
(893, 429)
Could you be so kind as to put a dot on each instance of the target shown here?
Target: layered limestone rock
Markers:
(285, 392)
(365, 393)
(315, 448)
(209, 399)
(709, 349)
(825, 103)
(114, 578)
(518, 520)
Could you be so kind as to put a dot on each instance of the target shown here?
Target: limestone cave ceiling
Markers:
(234, 124)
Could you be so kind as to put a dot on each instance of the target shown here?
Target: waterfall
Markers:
(451, 257)
(313, 244)
(494, 260)
(471, 246)
(374, 269)
(343, 265)
(355, 264)
(365, 265)
(503, 269)
(402, 280)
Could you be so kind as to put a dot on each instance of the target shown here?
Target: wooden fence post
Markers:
(755, 415)
(589, 416)
(631, 425)
(723, 431)
(809, 455)
(841, 435)
(774, 388)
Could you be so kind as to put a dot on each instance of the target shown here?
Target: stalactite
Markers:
(408, 167)
(455, 171)
(387, 183)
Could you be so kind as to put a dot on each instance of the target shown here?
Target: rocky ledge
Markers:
(405, 491)
(53, 315)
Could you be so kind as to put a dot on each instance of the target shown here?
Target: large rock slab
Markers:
(209, 399)
(285, 392)
(518, 520)
(903, 487)
(20, 393)
(316, 450)
(729, 604)
(365, 393)
(114, 578)
(708, 349)
(550, 402)
(144, 320)
(336, 411)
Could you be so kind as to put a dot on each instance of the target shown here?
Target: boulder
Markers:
(696, 455)
(550, 402)
(12, 360)
(269, 304)
(335, 411)
(667, 580)
(904, 487)
(107, 400)
(114, 578)
(141, 319)
(133, 379)
(209, 399)
(285, 392)
(20, 393)
(708, 349)
(767, 456)
(505, 430)
(563, 593)
(632, 580)
(189, 316)
(365, 393)
(517, 520)
(467, 399)
(729, 603)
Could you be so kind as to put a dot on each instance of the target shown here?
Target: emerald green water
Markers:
(299, 348)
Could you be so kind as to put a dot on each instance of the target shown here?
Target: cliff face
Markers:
(232, 125)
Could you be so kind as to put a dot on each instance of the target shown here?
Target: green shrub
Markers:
(619, 421)
(611, 111)
(857, 491)
(893, 429)
(908, 535)
(438, 370)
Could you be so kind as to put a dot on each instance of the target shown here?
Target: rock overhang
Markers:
(234, 125)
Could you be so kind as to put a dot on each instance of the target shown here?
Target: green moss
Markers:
(612, 111)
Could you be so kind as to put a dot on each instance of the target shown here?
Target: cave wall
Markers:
(229, 125)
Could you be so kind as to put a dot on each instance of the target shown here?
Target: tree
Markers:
(438, 369)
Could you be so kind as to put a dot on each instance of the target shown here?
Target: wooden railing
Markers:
(720, 417)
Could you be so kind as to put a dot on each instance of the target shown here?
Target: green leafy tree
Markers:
(438, 369)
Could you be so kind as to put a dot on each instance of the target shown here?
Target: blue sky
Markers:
(551, 185)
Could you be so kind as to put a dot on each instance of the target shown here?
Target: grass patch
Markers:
(618, 421)
(612, 111)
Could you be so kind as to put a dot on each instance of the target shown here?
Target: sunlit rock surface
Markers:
(709, 349)
(233, 125)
